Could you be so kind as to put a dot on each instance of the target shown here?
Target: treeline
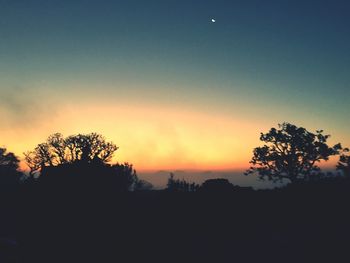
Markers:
(76, 205)
(290, 155)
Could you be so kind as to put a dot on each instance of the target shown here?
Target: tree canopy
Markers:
(61, 150)
(291, 152)
(80, 160)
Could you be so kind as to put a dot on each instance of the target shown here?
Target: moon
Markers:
(213, 20)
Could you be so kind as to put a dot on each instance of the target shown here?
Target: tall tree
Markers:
(291, 152)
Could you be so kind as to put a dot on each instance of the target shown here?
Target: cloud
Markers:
(24, 107)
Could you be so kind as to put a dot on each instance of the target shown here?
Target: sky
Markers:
(168, 86)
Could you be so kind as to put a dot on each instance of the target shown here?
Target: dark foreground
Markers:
(67, 225)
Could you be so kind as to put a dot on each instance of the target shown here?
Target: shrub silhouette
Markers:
(142, 185)
(344, 163)
(125, 177)
(219, 185)
(9, 165)
(177, 185)
(291, 153)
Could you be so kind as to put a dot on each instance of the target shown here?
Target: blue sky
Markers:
(262, 62)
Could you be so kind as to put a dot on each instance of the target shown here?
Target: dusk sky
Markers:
(168, 86)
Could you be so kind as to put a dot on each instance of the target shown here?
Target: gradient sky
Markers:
(167, 85)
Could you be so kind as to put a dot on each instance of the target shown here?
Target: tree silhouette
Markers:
(80, 160)
(177, 185)
(8, 160)
(95, 175)
(218, 185)
(59, 150)
(126, 177)
(9, 165)
(344, 163)
(291, 153)
(140, 185)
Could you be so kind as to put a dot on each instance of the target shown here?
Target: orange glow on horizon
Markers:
(151, 137)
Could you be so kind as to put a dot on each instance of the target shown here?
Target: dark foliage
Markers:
(58, 150)
(142, 185)
(217, 185)
(81, 209)
(92, 176)
(291, 153)
(221, 186)
(344, 163)
(9, 174)
(80, 162)
(177, 185)
(125, 177)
